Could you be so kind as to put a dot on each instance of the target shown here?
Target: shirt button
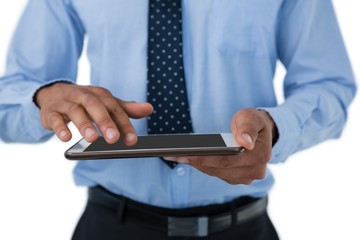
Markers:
(180, 171)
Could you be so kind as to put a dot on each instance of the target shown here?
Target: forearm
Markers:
(305, 120)
(319, 84)
(19, 116)
(37, 57)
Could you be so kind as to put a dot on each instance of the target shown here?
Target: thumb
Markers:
(245, 136)
(245, 129)
(246, 140)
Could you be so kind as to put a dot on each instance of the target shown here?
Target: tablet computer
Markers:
(157, 146)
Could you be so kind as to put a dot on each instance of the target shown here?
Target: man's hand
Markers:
(85, 105)
(255, 131)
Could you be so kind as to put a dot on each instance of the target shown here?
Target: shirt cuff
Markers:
(39, 133)
(29, 127)
(288, 130)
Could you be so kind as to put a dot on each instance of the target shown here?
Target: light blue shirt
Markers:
(230, 52)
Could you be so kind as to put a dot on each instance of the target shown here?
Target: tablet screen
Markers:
(162, 141)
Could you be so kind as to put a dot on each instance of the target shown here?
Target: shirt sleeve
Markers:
(45, 48)
(319, 84)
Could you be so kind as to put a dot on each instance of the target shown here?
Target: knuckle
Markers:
(76, 92)
(74, 108)
(126, 127)
(103, 123)
(45, 124)
(261, 175)
(249, 127)
(102, 91)
(248, 119)
(52, 118)
(52, 121)
(83, 125)
(265, 157)
(258, 174)
(124, 124)
(243, 112)
(115, 110)
(90, 101)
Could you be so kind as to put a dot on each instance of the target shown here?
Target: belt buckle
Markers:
(188, 226)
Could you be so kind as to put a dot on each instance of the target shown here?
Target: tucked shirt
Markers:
(231, 49)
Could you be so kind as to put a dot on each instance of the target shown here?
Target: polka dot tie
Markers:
(166, 81)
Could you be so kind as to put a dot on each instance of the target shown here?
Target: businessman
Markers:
(163, 67)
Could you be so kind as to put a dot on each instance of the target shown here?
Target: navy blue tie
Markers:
(166, 80)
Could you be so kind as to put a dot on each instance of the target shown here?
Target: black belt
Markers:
(175, 225)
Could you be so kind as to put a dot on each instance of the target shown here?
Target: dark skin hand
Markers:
(255, 131)
(61, 103)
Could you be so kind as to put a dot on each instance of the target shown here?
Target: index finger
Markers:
(118, 113)
(96, 109)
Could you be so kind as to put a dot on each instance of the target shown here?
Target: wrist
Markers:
(40, 92)
(273, 127)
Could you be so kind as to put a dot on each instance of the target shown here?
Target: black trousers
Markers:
(101, 223)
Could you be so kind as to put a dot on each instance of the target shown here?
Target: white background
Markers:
(316, 195)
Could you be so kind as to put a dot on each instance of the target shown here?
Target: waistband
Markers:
(187, 222)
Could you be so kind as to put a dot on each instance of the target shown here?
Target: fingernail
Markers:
(130, 137)
(170, 158)
(247, 138)
(183, 160)
(63, 134)
(89, 132)
(111, 133)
